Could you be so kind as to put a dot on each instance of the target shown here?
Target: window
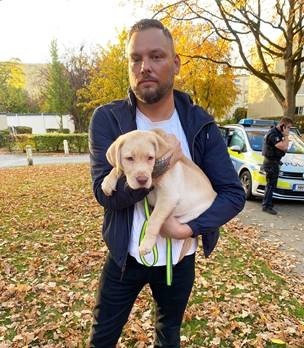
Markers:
(256, 139)
(299, 110)
(237, 138)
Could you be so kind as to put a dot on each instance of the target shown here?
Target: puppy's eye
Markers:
(150, 158)
(130, 159)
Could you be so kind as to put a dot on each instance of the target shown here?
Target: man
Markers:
(152, 103)
(274, 148)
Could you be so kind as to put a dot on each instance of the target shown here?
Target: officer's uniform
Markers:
(272, 158)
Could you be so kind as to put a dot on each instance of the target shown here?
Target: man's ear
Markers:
(177, 64)
(113, 153)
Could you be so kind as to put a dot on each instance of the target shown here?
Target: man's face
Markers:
(152, 65)
(288, 126)
(285, 128)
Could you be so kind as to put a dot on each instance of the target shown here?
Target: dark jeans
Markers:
(272, 173)
(116, 297)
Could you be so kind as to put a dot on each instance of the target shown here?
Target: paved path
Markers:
(287, 227)
(17, 160)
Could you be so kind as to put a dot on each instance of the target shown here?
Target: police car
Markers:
(245, 141)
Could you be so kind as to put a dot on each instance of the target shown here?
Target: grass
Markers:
(51, 254)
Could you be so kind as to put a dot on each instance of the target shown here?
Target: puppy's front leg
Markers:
(110, 181)
(164, 206)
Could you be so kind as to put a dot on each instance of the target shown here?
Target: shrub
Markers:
(52, 142)
(299, 122)
(19, 142)
(58, 130)
(239, 113)
(23, 130)
(4, 138)
(52, 130)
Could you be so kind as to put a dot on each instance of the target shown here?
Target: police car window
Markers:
(296, 145)
(237, 138)
(255, 139)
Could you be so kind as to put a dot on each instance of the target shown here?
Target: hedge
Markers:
(52, 142)
(23, 130)
(56, 130)
(4, 137)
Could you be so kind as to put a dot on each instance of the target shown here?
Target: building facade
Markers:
(241, 83)
(262, 103)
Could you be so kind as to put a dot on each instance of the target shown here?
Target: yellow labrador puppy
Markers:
(183, 190)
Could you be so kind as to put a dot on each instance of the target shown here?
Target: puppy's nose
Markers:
(142, 179)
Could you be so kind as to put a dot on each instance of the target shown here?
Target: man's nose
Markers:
(145, 66)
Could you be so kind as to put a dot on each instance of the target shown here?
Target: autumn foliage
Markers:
(245, 295)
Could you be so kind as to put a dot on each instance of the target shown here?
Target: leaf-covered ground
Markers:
(245, 295)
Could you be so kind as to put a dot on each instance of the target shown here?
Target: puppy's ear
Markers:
(161, 144)
(113, 153)
(159, 132)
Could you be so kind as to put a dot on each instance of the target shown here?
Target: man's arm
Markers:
(284, 143)
(101, 136)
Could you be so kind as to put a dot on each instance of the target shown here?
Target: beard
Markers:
(152, 95)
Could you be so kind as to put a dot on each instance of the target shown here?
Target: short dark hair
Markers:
(148, 23)
(286, 121)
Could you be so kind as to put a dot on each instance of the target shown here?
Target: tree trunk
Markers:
(290, 96)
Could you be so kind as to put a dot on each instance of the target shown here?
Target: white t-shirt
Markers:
(172, 126)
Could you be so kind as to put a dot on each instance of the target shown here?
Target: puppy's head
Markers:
(134, 154)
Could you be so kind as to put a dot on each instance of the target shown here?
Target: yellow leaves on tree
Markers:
(211, 85)
(12, 74)
(109, 77)
(12, 87)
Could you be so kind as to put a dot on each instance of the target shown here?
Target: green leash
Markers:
(155, 250)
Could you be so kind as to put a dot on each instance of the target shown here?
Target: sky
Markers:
(27, 27)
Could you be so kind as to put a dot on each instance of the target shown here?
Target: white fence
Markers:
(40, 122)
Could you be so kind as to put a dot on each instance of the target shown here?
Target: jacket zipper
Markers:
(196, 134)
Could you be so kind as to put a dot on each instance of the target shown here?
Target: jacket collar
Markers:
(192, 117)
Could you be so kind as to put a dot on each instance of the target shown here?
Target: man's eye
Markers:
(130, 159)
(136, 59)
(156, 57)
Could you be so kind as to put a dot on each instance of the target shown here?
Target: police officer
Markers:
(274, 148)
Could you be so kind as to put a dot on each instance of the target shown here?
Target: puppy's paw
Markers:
(144, 250)
(108, 186)
(146, 245)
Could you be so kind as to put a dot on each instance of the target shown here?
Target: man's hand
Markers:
(285, 132)
(172, 228)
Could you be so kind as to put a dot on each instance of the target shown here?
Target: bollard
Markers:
(66, 147)
(29, 155)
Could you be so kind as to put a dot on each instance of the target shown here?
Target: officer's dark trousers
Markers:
(116, 297)
(272, 169)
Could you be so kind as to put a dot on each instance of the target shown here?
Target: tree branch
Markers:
(299, 84)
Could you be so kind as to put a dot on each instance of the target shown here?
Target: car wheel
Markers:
(246, 181)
